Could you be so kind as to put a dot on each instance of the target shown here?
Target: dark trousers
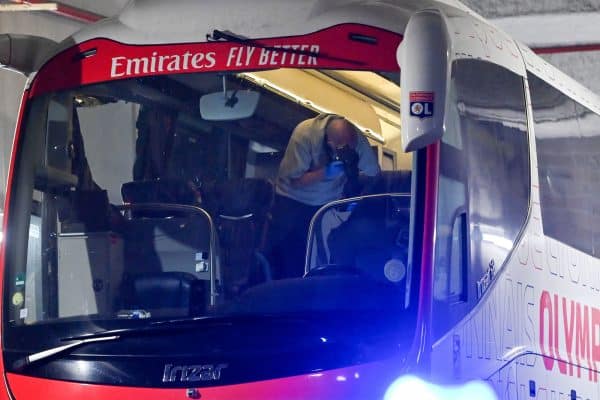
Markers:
(287, 238)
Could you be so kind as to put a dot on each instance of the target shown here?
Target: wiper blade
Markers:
(166, 325)
(23, 362)
(153, 327)
(218, 35)
(229, 319)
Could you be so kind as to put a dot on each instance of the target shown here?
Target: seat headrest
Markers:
(244, 196)
(396, 181)
(172, 292)
(158, 191)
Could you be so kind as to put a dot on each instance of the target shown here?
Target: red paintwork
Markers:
(567, 49)
(3, 394)
(422, 335)
(67, 70)
(367, 381)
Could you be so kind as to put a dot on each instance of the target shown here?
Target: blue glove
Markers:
(334, 169)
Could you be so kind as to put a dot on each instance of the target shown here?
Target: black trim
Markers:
(251, 351)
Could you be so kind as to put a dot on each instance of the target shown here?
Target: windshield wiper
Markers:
(166, 325)
(218, 35)
(154, 327)
(23, 362)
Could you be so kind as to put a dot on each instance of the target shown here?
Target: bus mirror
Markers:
(23, 53)
(228, 105)
(423, 59)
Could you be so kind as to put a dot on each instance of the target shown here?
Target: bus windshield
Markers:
(137, 205)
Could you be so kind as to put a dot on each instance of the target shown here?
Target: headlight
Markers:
(411, 387)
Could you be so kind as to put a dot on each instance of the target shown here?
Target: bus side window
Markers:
(483, 186)
(567, 137)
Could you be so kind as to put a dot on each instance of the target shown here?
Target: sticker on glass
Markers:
(18, 299)
(20, 280)
(394, 270)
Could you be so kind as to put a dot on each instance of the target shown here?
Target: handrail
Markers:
(336, 203)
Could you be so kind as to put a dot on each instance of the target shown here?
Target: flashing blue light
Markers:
(411, 387)
(324, 340)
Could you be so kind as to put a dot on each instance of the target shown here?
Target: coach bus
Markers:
(138, 209)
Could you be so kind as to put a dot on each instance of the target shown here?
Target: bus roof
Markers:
(191, 21)
(153, 21)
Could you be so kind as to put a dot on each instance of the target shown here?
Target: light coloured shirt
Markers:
(306, 152)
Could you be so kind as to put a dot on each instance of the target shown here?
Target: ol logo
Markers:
(421, 104)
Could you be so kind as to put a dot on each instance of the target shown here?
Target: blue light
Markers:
(411, 387)
(324, 340)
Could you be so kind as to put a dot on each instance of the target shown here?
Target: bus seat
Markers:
(84, 211)
(243, 196)
(241, 219)
(158, 191)
(371, 238)
(396, 181)
(155, 244)
(166, 294)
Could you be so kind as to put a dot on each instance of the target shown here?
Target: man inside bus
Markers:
(322, 163)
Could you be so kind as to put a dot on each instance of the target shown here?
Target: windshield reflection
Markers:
(366, 236)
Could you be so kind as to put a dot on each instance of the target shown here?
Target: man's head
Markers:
(341, 133)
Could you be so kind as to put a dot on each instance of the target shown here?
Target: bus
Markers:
(137, 258)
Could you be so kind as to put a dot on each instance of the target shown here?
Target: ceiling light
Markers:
(29, 7)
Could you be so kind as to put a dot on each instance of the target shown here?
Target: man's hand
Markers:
(334, 169)
(330, 171)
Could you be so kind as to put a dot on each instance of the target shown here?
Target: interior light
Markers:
(305, 102)
(29, 7)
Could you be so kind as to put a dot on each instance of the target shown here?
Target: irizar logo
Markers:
(192, 373)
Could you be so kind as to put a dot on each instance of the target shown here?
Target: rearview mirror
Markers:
(423, 57)
(228, 105)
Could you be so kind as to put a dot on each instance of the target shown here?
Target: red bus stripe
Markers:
(567, 49)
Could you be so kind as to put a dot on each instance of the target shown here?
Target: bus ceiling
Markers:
(23, 53)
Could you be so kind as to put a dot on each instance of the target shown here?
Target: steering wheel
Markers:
(333, 269)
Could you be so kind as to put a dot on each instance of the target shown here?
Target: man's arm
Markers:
(367, 161)
(309, 177)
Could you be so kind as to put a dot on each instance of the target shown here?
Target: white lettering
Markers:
(211, 59)
(283, 53)
(186, 57)
(161, 60)
(113, 68)
(274, 55)
(249, 52)
(153, 62)
(301, 57)
(231, 55)
(264, 57)
(133, 65)
(174, 64)
(312, 60)
(196, 60)
(293, 55)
